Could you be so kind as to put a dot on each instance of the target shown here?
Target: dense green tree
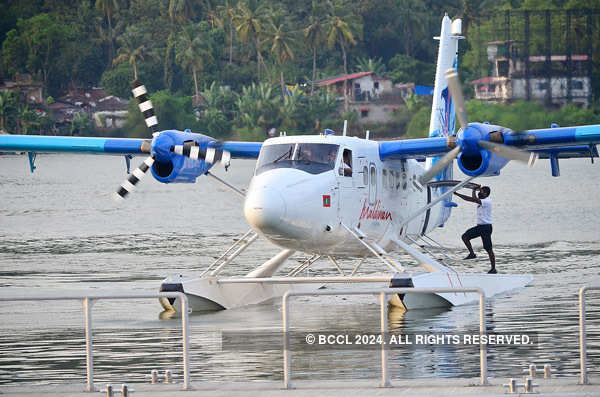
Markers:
(258, 106)
(8, 106)
(404, 69)
(181, 11)
(82, 125)
(37, 42)
(172, 112)
(26, 119)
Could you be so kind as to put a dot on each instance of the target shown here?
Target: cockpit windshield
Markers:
(313, 158)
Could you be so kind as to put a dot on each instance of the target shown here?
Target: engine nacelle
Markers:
(473, 160)
(170, 167)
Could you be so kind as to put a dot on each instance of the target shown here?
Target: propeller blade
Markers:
(145, 104)
(133, 179)
(439, 165)
(457, 96)
(507, 152)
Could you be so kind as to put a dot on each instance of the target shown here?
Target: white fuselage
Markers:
(302, 192)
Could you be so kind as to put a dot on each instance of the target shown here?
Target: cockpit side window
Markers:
(313, 158)
(347, 162)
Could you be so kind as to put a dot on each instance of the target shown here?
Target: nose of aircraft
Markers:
(265, 209)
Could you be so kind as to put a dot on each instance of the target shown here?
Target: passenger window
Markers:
(365, 176)
(373, 175)
(384, 178)
(391, 180)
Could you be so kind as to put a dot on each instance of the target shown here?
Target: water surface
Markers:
(60, 232)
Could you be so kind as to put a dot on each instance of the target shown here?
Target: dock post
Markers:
(582, 338)
(482, 347)
(385, 374)
(185, 330)
(286, 343)
(89, 344)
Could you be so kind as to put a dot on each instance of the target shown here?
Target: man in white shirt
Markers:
(484, 224)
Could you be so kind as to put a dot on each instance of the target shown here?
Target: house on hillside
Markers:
(371, 95)
(30, 89)
(106, 111)
(64, 112)
(548, 79)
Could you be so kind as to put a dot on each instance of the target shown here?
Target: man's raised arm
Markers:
(472, 199)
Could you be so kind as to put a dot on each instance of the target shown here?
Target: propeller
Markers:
(507, 152)
(457, 96)
(494, 144)
(439, 165)
(145, 104)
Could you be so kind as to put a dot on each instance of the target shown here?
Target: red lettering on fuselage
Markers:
(374, 212)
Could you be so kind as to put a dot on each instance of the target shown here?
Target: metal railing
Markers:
(88, 302)
(582, 334)
(385, 375)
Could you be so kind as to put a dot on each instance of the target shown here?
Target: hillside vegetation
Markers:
(221, 66)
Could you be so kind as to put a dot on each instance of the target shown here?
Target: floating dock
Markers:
(416, 387)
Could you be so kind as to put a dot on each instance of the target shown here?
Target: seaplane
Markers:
(336, 196)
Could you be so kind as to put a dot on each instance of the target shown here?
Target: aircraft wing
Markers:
(415, 148)
(565, 141)
(483, 149)
(553, 138)
(40, 143)
(114, 146)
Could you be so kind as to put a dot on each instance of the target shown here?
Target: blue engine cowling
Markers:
(170, 167)
(473, 160)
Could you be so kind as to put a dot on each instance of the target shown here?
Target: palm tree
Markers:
(7, 107)
(370, 65)
(314, 34)
(181, 11)
(132, 48)
(249, 23)
(412, 13)
(225, 15)
(342, 28)
(108, 37)
(192, 53)
(282, 41)
(108, 8)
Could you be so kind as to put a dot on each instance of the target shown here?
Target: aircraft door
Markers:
(372, 184)
(353, 191)
(346, 169)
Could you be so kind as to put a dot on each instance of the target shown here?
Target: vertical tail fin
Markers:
(443, 116)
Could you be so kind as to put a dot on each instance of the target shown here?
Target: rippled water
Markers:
(60, 232)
